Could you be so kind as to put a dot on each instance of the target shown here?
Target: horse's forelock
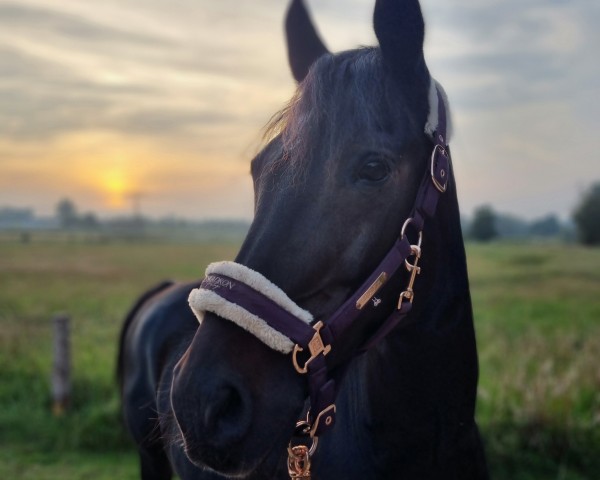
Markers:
(342, 95)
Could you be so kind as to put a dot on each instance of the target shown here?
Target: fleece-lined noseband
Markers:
(245, 297)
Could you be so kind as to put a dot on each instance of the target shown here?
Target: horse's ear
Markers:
(303, 42)
(400, 29)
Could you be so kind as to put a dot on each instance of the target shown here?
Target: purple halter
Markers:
(318, 339)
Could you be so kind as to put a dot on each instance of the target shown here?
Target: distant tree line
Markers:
(587, 216)
(487, 224)
(70, 218)
(88, 227)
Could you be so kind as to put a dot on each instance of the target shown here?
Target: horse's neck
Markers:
(419, 384)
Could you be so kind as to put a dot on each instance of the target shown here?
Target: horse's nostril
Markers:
(224, 406)
(226, 415)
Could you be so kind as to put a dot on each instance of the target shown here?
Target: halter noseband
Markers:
(245, 297)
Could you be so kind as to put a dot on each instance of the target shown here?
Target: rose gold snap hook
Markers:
(299, 455)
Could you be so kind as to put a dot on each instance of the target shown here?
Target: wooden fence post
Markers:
(61, 367)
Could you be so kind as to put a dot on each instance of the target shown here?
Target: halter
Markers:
(245, 297)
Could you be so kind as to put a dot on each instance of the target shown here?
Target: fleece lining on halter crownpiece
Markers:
(202, 300)
(432, 119)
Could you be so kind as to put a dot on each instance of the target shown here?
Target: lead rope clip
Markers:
(299, 462)
(299, 455)
(412, 268)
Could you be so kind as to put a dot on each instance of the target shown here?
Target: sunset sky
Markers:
(164, 98)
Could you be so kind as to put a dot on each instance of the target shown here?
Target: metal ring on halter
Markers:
(304, 428)
(402, 233)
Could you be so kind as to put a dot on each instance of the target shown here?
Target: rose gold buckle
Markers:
(327, 413)
(443, 173)
(315, 347)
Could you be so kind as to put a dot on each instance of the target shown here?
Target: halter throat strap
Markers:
(250, 300)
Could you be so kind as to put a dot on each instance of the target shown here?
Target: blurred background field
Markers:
(537, 310)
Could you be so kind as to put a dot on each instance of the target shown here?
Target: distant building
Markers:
(18, 218)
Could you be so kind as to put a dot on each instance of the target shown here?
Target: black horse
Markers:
(333, 187)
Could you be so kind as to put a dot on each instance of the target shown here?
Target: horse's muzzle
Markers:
(213, 414)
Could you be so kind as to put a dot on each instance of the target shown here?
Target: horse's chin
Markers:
(234, 463)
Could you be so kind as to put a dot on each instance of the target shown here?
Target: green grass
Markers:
(537, 310)
(19, 463)
(95, 284)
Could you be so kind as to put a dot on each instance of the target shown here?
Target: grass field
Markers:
(537, 310)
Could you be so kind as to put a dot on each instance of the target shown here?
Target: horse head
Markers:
(333, 186)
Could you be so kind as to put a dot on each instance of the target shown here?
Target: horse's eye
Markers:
(374, 171)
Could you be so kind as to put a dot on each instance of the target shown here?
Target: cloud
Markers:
(62, 71)
(532, 50)
(523, 84)
(45, 21)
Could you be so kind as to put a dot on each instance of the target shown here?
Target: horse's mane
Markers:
(342, 95)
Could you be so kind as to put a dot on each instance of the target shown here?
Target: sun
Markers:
(116, 185)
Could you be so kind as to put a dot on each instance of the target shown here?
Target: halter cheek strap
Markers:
(250, 300)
